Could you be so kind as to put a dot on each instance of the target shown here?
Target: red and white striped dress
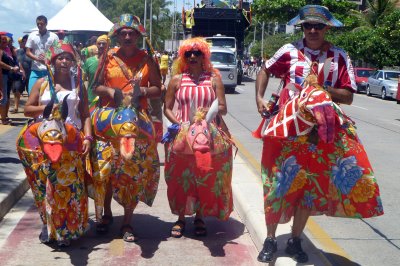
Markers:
(189, 190)
(201, 95)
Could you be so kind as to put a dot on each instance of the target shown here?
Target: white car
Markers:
(384, 83)
(224, 60)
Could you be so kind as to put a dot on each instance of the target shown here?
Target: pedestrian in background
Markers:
(8, 66)
(37, 45)
(91, 64)
(305, 175)
(198, 174)
(55, 170)
(164, 66)
(20, 84)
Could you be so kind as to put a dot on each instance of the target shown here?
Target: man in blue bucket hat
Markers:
(293, 63)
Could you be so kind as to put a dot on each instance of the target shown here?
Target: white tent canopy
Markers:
(79, 15)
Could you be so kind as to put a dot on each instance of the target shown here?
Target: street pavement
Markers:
(233, 242)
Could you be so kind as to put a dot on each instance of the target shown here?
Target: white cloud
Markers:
(19, 16)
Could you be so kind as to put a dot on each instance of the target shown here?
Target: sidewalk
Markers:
(246, 185)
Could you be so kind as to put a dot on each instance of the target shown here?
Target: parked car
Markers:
(361, 74)
(384, 83)
(224, 60)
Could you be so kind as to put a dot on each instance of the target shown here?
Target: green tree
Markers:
(161, 19)
(376, 12)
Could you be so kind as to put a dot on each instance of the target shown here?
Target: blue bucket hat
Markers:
(127, 21)
(315, 13)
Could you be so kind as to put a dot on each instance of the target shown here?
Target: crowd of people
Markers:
(101, 141)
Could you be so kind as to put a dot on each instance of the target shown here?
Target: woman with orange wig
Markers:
(198, 161)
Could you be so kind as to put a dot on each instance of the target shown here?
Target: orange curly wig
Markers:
(198, 43)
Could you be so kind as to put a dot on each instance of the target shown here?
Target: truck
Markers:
(220, 22)
(219, 17)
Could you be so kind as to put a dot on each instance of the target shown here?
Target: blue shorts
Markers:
(35, 75)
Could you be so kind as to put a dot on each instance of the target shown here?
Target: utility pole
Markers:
(262, 40)
(151, 20)
(144, 21)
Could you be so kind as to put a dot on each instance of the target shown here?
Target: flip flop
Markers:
(103, 227)
(127, 234)
(178, 229)
(199, 227)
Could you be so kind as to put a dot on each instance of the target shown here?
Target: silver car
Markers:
(384, 83)
(224, 60)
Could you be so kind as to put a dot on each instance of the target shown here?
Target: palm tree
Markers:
(375, 12)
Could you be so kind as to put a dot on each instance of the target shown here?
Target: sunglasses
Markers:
(195, 53)
(129, 33)
(318, 26)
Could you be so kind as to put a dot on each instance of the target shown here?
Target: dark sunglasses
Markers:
(129, 33)
(318, 26)
(195, 53)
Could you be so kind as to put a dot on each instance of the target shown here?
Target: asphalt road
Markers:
(374, 241)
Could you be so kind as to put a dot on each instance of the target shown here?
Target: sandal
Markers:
(126, 232)
(178, 229)
(106, 221)
(199, 227)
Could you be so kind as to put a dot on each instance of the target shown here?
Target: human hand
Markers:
(86, 147)
(261, 106)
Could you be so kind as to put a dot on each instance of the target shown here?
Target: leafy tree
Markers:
(377, 10)
(162, 17)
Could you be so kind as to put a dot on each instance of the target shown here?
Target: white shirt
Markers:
(73, 104)
(39, 44)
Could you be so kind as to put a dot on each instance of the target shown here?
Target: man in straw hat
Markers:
(302, 175)
(131, 71)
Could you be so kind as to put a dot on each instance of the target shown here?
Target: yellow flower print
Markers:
(298, 182)
(62, 196)
(302, 139)
(65, 177)
(350, 210)
(363, 190)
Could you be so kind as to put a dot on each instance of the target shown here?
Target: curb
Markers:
(14, 195)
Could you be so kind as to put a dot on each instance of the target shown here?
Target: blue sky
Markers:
(20, 17)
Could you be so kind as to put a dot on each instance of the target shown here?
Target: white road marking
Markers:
(240, 89)
(359, 107)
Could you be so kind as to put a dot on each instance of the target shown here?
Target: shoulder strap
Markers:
(43, 87)
(124, 67)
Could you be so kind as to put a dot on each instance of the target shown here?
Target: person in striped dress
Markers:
(199, 182)
(303, 175)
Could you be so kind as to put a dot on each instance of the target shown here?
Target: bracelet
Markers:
(89, 138)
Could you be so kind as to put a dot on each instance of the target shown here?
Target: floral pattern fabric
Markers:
(333, 179)
(58, 188)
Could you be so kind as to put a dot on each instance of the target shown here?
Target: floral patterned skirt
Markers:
(132, 180)
(58, 188)
(191, 190)
(333, 179)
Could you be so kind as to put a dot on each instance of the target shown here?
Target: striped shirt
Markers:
(192, 94)
(293, 63)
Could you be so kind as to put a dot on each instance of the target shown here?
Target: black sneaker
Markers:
(294, 249)
(267, 253)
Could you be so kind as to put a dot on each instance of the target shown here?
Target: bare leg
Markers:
(17, 97)
(271, 230)
(107, 200)
(299, 221)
